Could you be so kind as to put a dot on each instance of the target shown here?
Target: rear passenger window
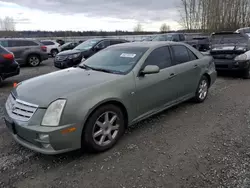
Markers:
(160, 57)
(15, 43)
(29, 43)
(180, 53)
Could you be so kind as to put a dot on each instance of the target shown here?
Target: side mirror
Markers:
(150, 69)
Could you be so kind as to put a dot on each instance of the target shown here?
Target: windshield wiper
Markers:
(84, 66)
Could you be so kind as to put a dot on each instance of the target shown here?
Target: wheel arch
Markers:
(208, 78)
(115, 102)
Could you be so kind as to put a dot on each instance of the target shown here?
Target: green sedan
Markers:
(91, 105)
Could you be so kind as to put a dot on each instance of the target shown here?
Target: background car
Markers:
(26, 51)
(86, 49)
(68, 46)
(52, 47)
(91, 105)
(8, 66)
(231, 52)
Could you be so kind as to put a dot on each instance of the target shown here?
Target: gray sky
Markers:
(144, 11)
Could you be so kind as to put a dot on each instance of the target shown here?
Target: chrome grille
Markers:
(18, 109)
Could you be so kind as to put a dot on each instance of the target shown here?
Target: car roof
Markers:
(146, 44)
(17, 39)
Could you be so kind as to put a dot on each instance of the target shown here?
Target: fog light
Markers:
(47, 146)
(44, 137)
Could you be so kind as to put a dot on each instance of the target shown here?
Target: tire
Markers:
(246, 73)
(33, 60)
(99, 137)
(202, 90)
(54, 52)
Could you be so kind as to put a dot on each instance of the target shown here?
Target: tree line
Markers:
(215, 15)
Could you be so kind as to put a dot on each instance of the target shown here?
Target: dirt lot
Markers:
(192, 145)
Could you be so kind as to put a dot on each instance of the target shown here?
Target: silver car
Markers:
(91, 105)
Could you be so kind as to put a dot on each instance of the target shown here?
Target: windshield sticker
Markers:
(128, 55)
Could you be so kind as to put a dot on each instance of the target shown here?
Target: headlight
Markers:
(73, 56)
(242, 57)
(53, 113)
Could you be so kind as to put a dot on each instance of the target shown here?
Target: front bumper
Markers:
(58, 140)
(231, 65)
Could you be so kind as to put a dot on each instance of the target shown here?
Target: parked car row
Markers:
(85, 50)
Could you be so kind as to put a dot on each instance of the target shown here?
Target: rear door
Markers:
(188, 70)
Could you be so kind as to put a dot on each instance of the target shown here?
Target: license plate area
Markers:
(10, 125)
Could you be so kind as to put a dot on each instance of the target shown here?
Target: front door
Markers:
(155, 91)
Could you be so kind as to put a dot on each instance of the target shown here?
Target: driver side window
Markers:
(103, 44)
(160, 57)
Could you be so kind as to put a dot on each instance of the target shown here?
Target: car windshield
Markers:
(163, 38)
(87, 44)
(117, 60)
(233, 38)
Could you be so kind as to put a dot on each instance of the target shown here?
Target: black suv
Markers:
(8, 66)
(26, 51)
(86, 49)
(231, 52)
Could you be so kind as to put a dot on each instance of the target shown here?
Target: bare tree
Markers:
(7, 24)
(138, 28)
(215, 15)
(164, 28)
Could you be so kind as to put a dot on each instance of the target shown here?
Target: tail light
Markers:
(44, 48)
(9, 56)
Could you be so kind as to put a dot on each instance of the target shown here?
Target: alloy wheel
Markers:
(34, 61)
(106, 128)
(203, 89)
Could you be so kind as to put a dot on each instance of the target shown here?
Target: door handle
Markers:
(172, 75)
(195, 66)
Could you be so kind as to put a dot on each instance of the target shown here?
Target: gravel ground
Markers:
(191, 145)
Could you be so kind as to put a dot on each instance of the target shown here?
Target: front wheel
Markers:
(202, 90)
(103, 128)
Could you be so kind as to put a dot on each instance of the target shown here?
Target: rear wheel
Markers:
(33, 60)
(103, 128)
(202, 90)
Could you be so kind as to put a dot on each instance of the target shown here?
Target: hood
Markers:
(69, 52)
(42, 90)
